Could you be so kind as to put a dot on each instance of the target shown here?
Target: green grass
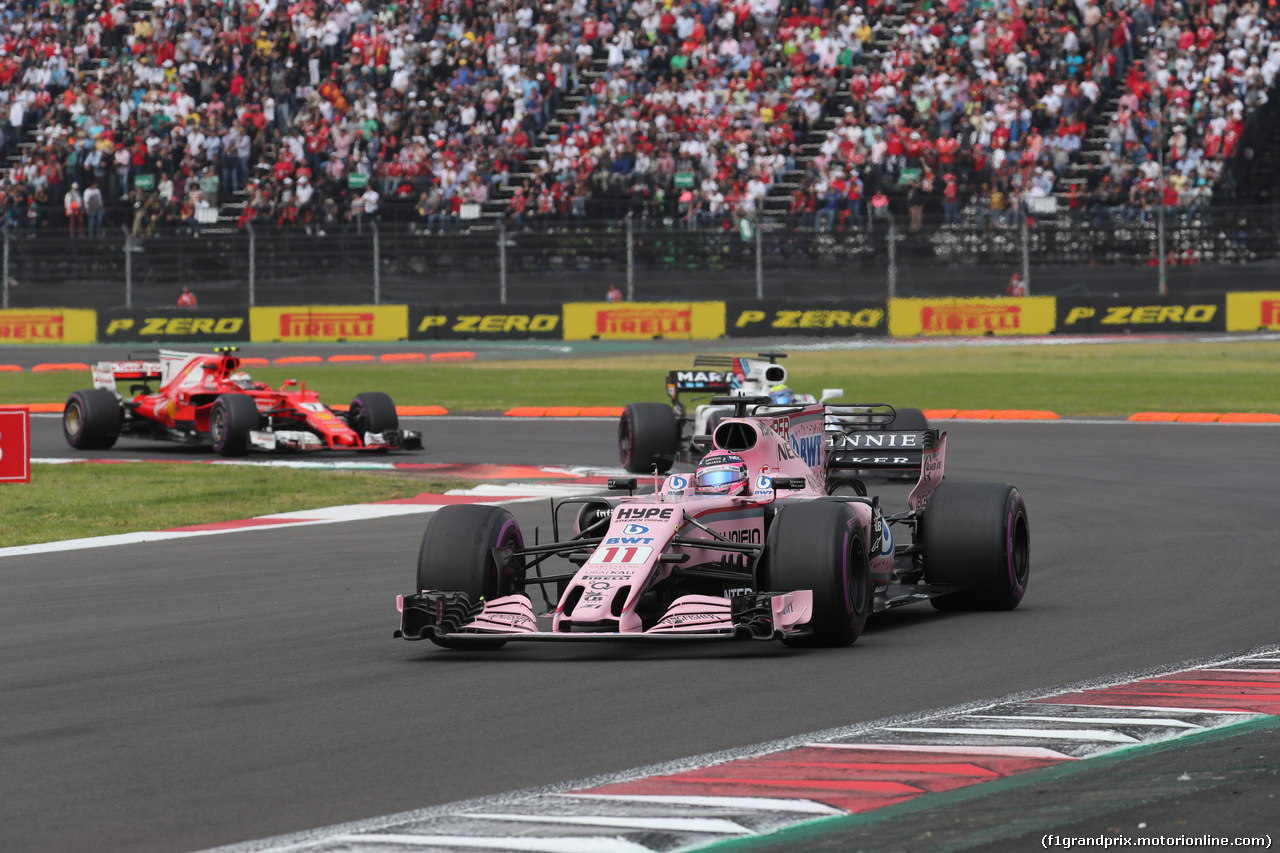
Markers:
(1071, 380)
(74, 501)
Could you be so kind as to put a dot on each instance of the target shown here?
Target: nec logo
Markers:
(636, 321)
(970, 318)
(319, 324)
(807, 448)
(31, 327)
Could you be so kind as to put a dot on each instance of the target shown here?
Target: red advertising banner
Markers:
(15, 445)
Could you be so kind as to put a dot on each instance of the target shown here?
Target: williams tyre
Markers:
(648, 437)
(977, 535)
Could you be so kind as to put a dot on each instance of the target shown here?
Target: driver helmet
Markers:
(242, 379)
(720, 474)
(780, 395)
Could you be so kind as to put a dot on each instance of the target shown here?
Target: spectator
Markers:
(614, 294)
(93, 207)
(187, 299)
(73, 205)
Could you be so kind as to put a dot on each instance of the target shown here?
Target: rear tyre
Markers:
(457, 556)
(819, 546)
(231, 419)
(648, 435)
(910, 419)
(91, 419)
(372, 411)
(977, 535)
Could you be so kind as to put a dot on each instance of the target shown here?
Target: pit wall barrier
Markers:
(899, 318)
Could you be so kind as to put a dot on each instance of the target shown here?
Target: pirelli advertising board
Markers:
(485, 322)
(329, 324)
(48, 326)
(1253, 312)
(642, 321)
(172, 325)
(1029, 315)
(1091, 315)
(759, 318)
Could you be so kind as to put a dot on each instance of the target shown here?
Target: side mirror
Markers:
(831, 394)
(618, 484)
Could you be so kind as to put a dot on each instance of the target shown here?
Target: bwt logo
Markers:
(970, 318)
(1270, 313)
(807, 448)
(644, 322)
(313, 324)
(31, 327)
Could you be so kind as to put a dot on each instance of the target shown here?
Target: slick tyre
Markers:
(372, 411)
(648, 436)
(91, 419)
(977, 535)
(457, 555)
(231, 419)
(912, 419)
(819, 546)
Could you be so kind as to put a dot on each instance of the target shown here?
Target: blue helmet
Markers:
(720, 474)
(780, 395)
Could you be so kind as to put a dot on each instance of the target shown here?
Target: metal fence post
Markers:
(6, 264)
(128, 268)
(377, 264)
(502, 261)
(253, 262)
(631, 259)
(759, 249)
(893, 258)
(1026, 252)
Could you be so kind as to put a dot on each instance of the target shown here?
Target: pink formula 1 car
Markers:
(750, 546)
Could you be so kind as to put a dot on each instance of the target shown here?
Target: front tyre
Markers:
(819, 546)
(977, 535)
(91, 419)
(374, 412)
(231, 419)
(648, 437)
(457, 555)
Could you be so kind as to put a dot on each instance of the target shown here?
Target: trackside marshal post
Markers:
(15, 445)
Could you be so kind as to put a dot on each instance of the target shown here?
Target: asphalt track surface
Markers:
(174, 696)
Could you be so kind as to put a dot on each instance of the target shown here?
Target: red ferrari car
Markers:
(205, 397)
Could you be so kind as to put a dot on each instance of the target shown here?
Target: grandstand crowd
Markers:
(319, 114)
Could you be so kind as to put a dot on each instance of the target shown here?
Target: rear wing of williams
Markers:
(720, 374)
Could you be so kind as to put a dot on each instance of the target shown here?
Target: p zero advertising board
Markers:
(1028, 315)
(15, 444)
(329, 323)
(759, 318)
(48, 326)
(485, 322)
(172, 325)
(1086, 315)
(1252, 312)
(636, 321)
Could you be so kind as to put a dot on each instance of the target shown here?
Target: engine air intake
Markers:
(736, 436)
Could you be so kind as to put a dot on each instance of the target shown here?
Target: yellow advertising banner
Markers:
(1029, 315)
(48, 326)
(328, 323)
(635, 321)
(1251, 312)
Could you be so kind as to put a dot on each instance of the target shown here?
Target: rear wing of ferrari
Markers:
(107, 373)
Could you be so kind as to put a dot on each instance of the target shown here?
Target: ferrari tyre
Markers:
(977, 535)
(648, 436)
(819, 546)
(457, 556)
(91, 419)
(231, 419)
(909, 419)
(372, 411)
